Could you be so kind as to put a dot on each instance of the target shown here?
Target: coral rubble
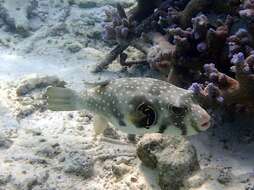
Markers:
(204, 45)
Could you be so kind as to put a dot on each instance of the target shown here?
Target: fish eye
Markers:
(178, 110)
(149, 115)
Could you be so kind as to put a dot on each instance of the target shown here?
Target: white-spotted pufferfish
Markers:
(135, 106)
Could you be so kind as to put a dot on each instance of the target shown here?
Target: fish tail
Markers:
(62, 99)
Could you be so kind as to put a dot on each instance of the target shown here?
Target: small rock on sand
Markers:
(32, 82)
(79, 164)
(5, 143)
(174, 158)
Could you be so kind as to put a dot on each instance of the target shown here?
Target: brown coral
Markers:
(179, 41)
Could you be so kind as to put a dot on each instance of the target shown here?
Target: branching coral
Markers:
(222, 89)
(248, 13)
(181, 38)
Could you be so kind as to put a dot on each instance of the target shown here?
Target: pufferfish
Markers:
(135, 106)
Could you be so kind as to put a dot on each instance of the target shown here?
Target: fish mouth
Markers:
(205, 124)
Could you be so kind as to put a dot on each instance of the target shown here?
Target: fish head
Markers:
(187, 115)
(179, 116)
(198, 119)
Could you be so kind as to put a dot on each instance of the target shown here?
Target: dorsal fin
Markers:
(98, 84)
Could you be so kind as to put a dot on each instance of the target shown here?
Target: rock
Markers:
(90, 54)
(4, 178)
(31, 93)
(58, 30)
(111, 133)
(6, 18)
(174, 158)
(87, 4)
(147, 149)
(32, 82)
(25, 111)
(196, 180)
(30, 181)
(49, 151)
(5, 143)
(16, 16)
(39, 161)
(225, 176)
(97, 3)
(217, 178)
(120, 170)
(79, 164)
(74, 47)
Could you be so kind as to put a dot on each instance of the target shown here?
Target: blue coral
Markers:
(195, 88)
(238, 58)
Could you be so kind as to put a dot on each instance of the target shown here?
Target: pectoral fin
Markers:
(100, 124)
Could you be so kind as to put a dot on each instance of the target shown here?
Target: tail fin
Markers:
(62, 99)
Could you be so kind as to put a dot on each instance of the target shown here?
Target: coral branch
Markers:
(124, 63)
(225, 90)
(110, 58)
(248, 14)
(192, 8)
